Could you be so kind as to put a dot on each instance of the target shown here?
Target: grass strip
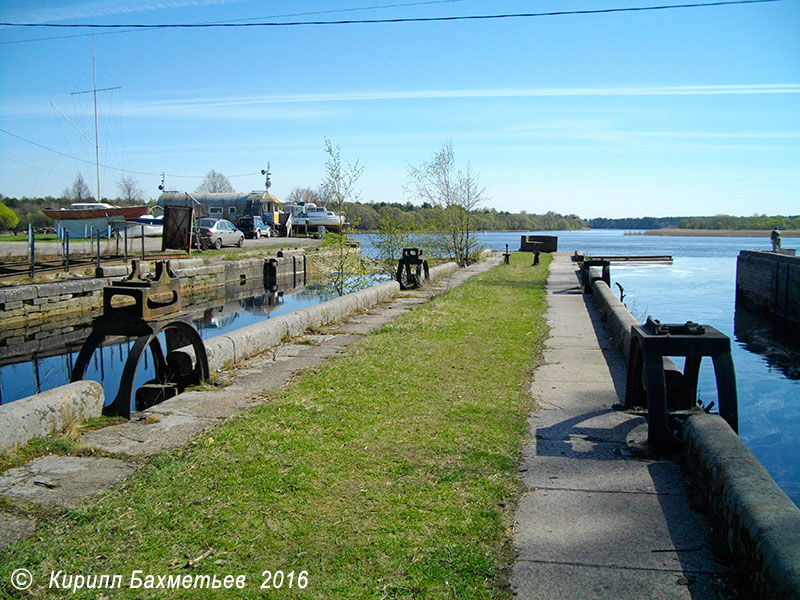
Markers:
(387, 472)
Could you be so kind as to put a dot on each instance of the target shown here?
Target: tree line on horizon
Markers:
(17, 214)
(757, 222)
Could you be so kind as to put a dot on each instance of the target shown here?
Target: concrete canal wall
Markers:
(761, 522)
(769, 282)
(48, 412)
(226, 350)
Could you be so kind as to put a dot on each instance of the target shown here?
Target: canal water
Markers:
(700, 286)
(211, 319)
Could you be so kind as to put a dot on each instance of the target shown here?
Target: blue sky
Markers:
(673, 112)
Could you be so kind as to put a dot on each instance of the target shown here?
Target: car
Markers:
(253, 227)
(218, 233)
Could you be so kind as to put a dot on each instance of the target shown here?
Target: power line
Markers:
(302, 14)
(27, 141)
(231, 24)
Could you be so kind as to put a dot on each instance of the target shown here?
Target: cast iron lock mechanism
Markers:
(654, 381)
(408, 279)
(144, 307)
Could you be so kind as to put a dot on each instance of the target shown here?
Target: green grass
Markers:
(39, 237)
(388, 472)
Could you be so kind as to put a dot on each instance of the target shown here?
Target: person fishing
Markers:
(775, 236)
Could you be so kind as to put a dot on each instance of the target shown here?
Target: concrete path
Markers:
(600, 519)
(52, 483)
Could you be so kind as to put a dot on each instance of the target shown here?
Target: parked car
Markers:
(253, 227)
(218, 233)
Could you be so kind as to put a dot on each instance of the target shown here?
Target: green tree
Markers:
(455, 195)
(8, 218)
(394, 233)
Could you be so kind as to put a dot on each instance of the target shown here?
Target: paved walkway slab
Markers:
(62, 481)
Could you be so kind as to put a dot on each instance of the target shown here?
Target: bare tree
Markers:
(303, 195)
(215, 182)
(338, 187)
(79, 192)
(129, 189)
(454, 194)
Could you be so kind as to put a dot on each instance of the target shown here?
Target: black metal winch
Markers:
(144, 307)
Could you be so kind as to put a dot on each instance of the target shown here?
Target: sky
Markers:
(692, 111)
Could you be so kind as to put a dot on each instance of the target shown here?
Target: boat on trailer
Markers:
(83, 218)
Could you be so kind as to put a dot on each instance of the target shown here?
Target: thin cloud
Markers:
(201, 105)
(54, 14)
(693, 90)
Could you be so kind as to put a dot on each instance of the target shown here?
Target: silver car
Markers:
(219, 233)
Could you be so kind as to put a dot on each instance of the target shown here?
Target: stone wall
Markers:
(28, 305)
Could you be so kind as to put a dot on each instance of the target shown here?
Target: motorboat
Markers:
(312, 216)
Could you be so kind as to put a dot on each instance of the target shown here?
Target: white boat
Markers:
(149, 225)
(312, 216)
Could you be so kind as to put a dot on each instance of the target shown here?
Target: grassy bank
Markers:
(388, 472)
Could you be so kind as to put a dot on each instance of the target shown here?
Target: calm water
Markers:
(700, 286)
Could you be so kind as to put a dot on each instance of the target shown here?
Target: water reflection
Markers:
(776, 339)
(40, 358)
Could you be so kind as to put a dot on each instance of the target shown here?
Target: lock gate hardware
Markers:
(586, 274)
(648, 384)
(411, 279)
(153, 307)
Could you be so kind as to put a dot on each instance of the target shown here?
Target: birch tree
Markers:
(455, 195)
(337, 188)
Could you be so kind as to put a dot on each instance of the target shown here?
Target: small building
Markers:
(226, 205)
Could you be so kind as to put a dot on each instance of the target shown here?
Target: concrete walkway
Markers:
(600, 518)
(49, 484)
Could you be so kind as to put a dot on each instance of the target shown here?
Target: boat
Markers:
(150, 226)
(83, 218)
(312, 217)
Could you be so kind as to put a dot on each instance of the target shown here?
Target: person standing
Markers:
(775, 236)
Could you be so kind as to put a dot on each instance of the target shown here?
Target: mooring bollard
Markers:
(646, 385)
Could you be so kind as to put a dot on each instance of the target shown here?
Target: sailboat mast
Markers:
(96, 128)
